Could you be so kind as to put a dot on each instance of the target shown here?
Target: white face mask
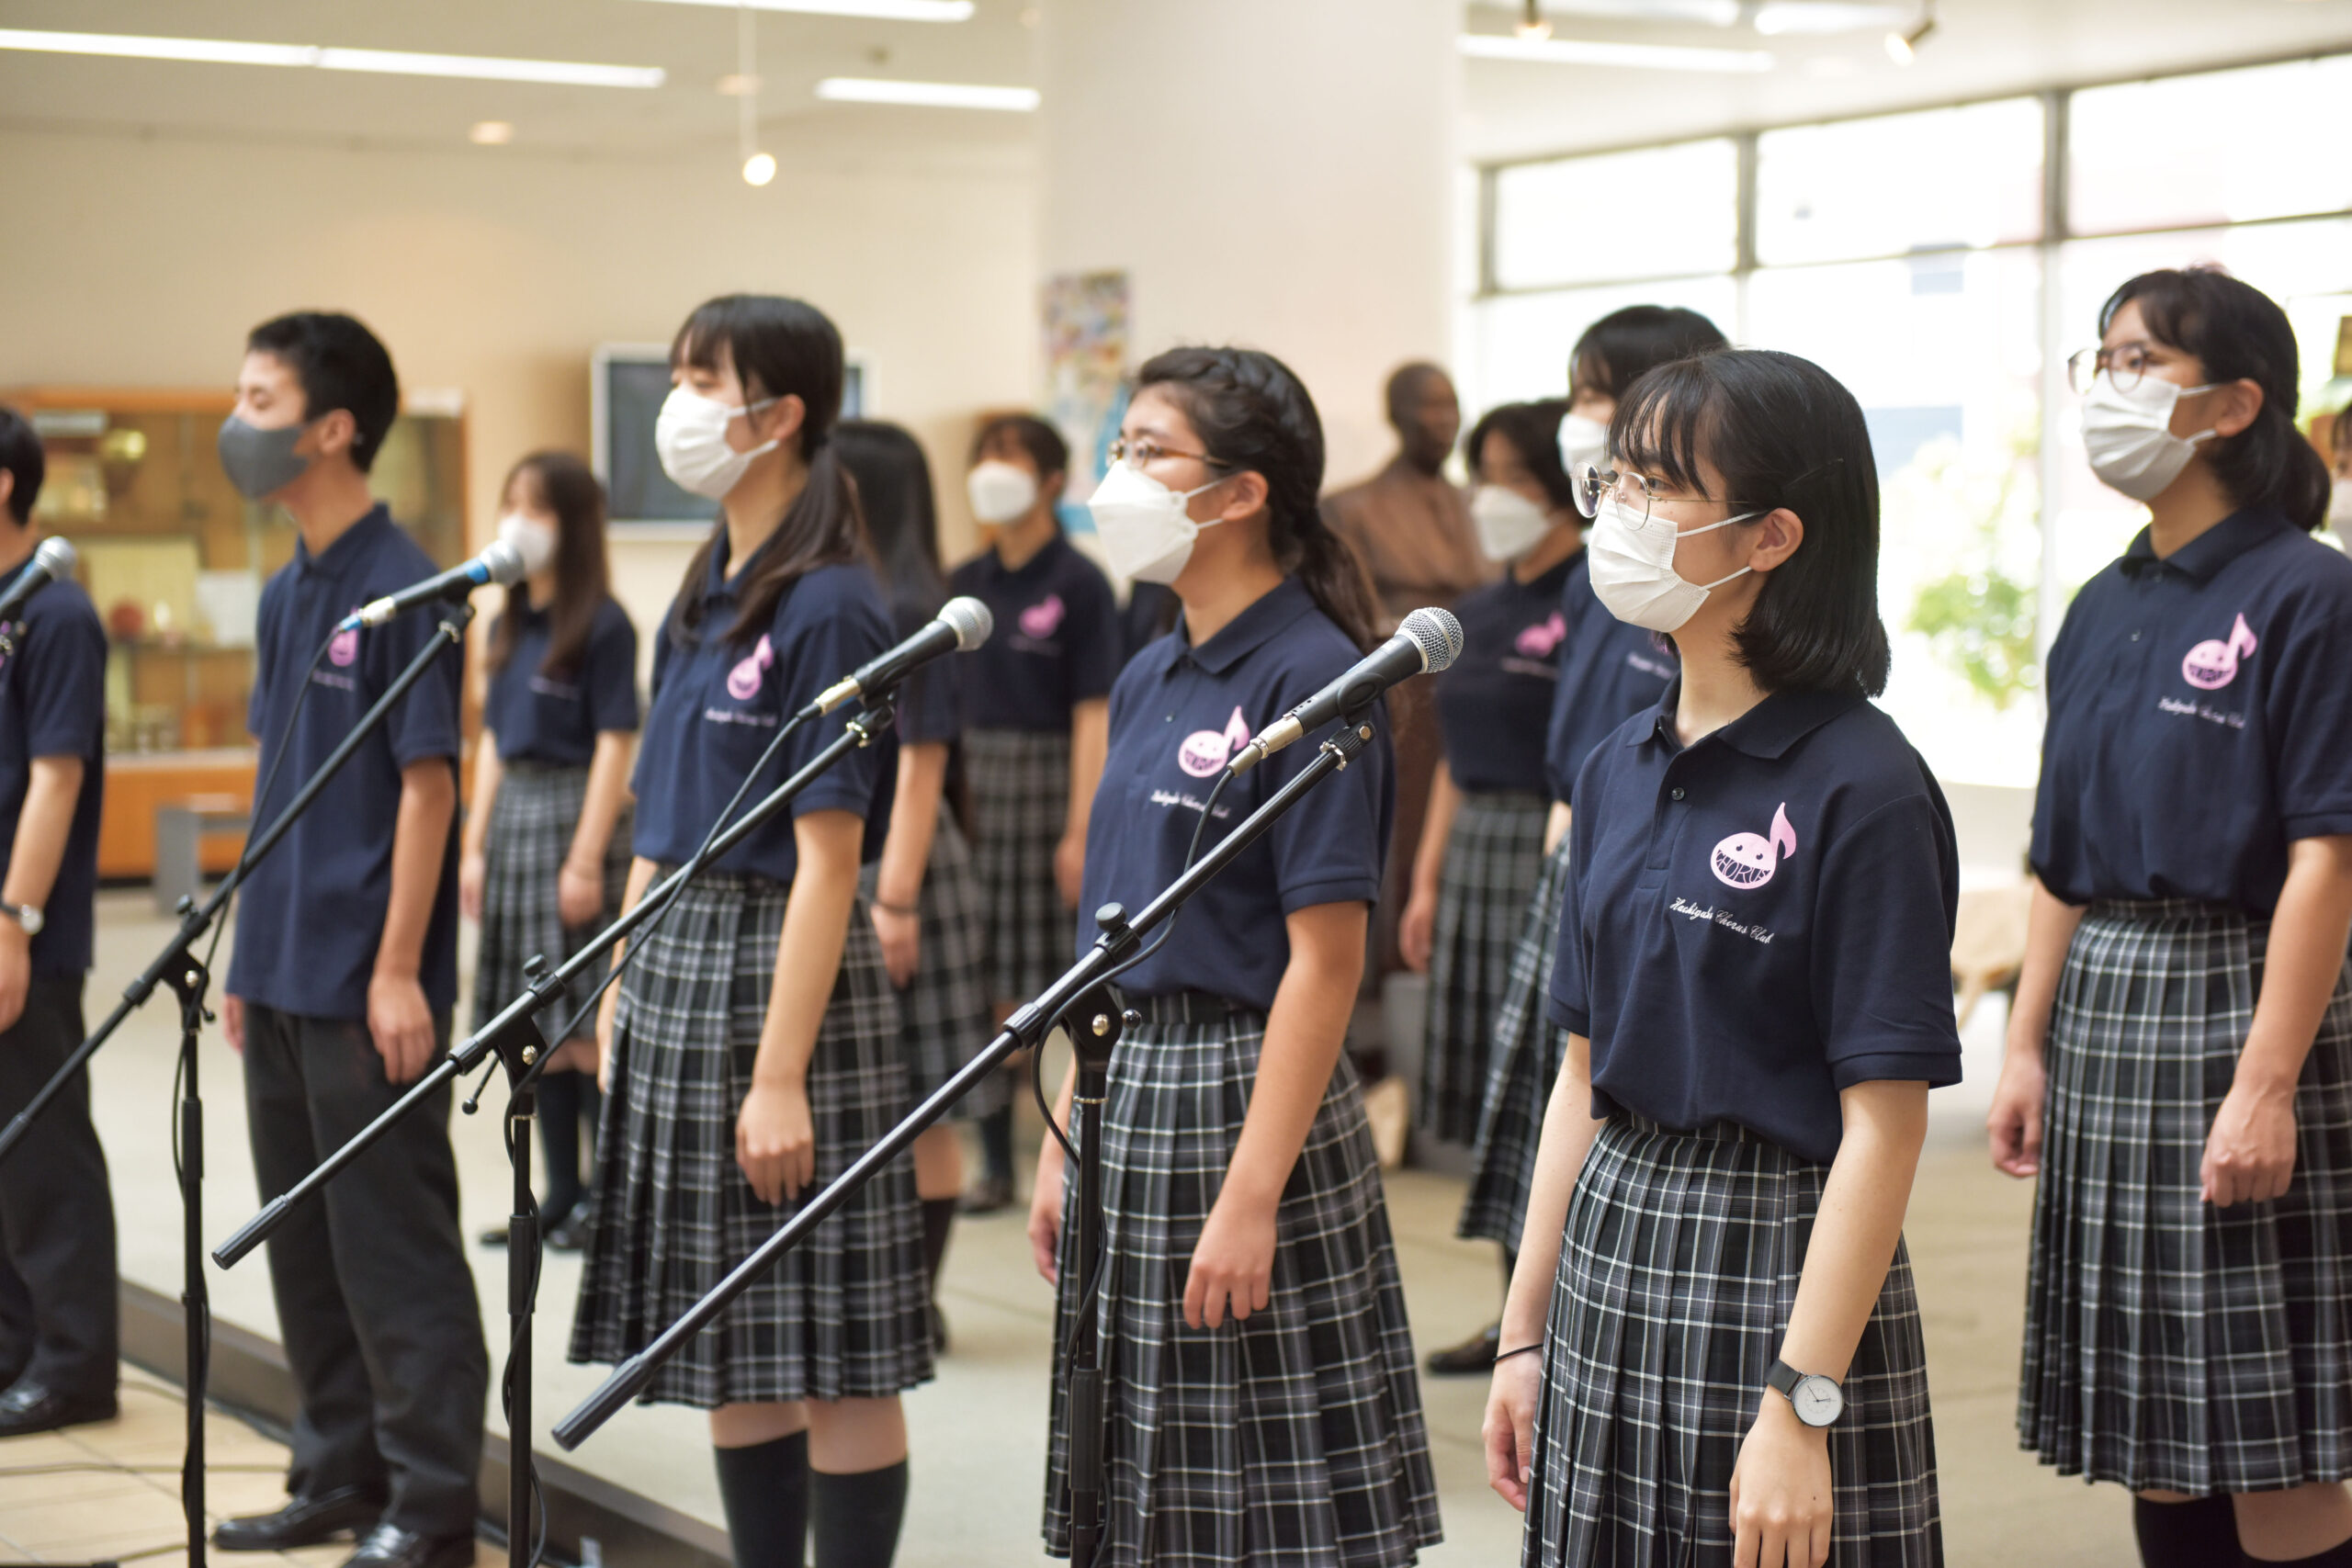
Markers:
(1146, 534)
(532, 539)
(2339, 501)
(2128, 434)
(690, 437)
(1000, 493)
(1582, 441)
(1508, 523)
(1633, 567)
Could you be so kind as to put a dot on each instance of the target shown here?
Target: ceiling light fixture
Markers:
(1592, 52)
(1903, 48)
(491, 133)
(390, 62)
(1532, 24)
(927, 95)
(759, 167)
(871, 10)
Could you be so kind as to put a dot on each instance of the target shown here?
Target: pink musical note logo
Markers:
(1205, 752)
(345, 646)
(1746, 861)
(2213, 664)
(1041, 619)
(1539, 640)
(743, 681)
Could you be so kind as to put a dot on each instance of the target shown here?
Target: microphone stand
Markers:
(1083, 992)
(178, 967)
(524, 1051)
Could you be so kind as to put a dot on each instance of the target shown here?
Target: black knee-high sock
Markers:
(2200, 1533)
(560, 1137)
(856, 1519)
(764, 1489)
(996, 1143)
(938, 1220)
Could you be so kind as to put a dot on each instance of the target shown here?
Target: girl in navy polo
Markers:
(928, 910)
(751, 1047)
(2179, 1063)
(1712, 1316)
(547, 839)
(1263, 1402)
(1035, 699)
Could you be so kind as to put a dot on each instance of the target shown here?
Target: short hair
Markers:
(1044, 443)
(339, 365)
(21, 456)
(1405, 380)
(1781, 432)
(1615, 351)
(1534, 432)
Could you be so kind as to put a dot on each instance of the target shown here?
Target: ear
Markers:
(335, 433)
(8, 490)
(1237, 496)
(2236, 404)
(783, 420)
(1778, 535)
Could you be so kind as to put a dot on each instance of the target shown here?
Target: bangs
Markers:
(696, 345)
(2167, 304)
(1667, 424)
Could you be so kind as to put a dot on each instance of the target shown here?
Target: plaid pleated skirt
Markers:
(1018, 783)
(1494, 856)
(944, 1013)
(1293, 1439)
(841, 1316)
(1528, 1051)
(2170, 1344)
(532, 819)
(1677, 1271)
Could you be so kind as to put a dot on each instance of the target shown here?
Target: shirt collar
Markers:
(2209, 552)
(1250, 630)
(1765, 731)
(352, 547)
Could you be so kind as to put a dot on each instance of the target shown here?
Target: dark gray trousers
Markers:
(59, 1310)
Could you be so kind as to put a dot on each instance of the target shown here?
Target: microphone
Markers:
(963, 624)
(52, 560)
(500, 563)
(1429, 640)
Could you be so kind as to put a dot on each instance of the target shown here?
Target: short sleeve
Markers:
(1328, 848)
(1094, 635)
(2056, 673)
(825, 628)
(1881, 947)
(266, 655)
(931, 704)
(1571, 1005)
(424, 723)
(609, 676)
(2308, 699)
(65, 685)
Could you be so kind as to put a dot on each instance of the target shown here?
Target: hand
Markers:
(2015, 1121)
(233, 1021)
(1233, 1264)
(776, 1141)
(1780, 1506)
(579, 894)
(1417, 930)
(1069, 868)
(2250, 1154)
(474, 870)
(1509, 1429)
(902, 937)
(1045, 1213)
(604, 1010)
(16, 971)
(401, 1024)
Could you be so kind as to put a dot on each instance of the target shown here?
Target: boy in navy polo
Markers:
(57, 1280)
(343, 976)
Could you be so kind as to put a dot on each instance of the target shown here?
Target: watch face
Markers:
(1817, 1399)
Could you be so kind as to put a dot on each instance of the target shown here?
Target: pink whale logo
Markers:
(1205, 752)
(345, 646)
(2213, 664)
(1044, 619)
(1746, 861)
(1539, 640)
(743, 681)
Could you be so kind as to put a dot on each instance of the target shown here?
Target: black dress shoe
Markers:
(304, 1521)
(389, 1546)
(570, 1233)
(989, 1195)
(494, 1235)
(1472, 1356)
(29, 1407)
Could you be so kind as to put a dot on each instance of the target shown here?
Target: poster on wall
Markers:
(1085, 318)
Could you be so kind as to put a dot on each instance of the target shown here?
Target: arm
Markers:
(2015, 1120)
(776, 1141)
(579, 885)
(43, 825)
(1090, 737)
(641, 873)
(906, 854)
(2250, 1153)
(1417, 928)
(1045, 1197)
(1555, 825)
(399, 1018)
(472, 852)
(1305, 1030)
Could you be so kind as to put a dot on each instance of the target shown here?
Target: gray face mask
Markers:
(260, 462)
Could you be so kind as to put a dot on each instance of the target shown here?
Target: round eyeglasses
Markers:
(1143, 454)
(1635, 494)
(2124, 366)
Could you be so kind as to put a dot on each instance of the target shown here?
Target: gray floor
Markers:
(978, 1431)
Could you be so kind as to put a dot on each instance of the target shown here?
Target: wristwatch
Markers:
(25, 915)
(1816, 1400)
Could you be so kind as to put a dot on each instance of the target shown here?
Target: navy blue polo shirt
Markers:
(1056, 642)
(312, 912)
(1493, 705)
(1610, 671)
(1759, 921)
(53, 704)
(1178, 715)
(554, 715)
(1151, 612)
(2201, 719)
(931, 701)
(717, 705)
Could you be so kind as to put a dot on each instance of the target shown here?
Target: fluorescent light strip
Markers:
(1592, 52)
(875, 10)
(927, 95)
(396, 63)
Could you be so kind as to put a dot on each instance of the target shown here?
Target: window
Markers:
(1655, 213)
(1518, 344)
(2223, 147)
(1947, 179)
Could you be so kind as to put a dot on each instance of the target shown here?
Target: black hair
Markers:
(894, 494)
(583, 572)
(1405, 382)
(1781, 432)
(1252, 413)
(339, 365)
(1049, 453)
(2239, 333)
(21, 456)
(780, 348)
(1534, 432)
(1619, 349)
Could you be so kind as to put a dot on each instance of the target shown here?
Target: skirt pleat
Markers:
(844, 1315)
(2170, 1344)
(943, 1011)
(1018, 785)
(1494, 856)
(1526, 1056)
(532, 819)
(1678, 1268)
(1296, 1437)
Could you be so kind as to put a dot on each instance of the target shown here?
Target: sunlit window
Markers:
(1655, 213)
(1943, 180)
(2223, 147)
